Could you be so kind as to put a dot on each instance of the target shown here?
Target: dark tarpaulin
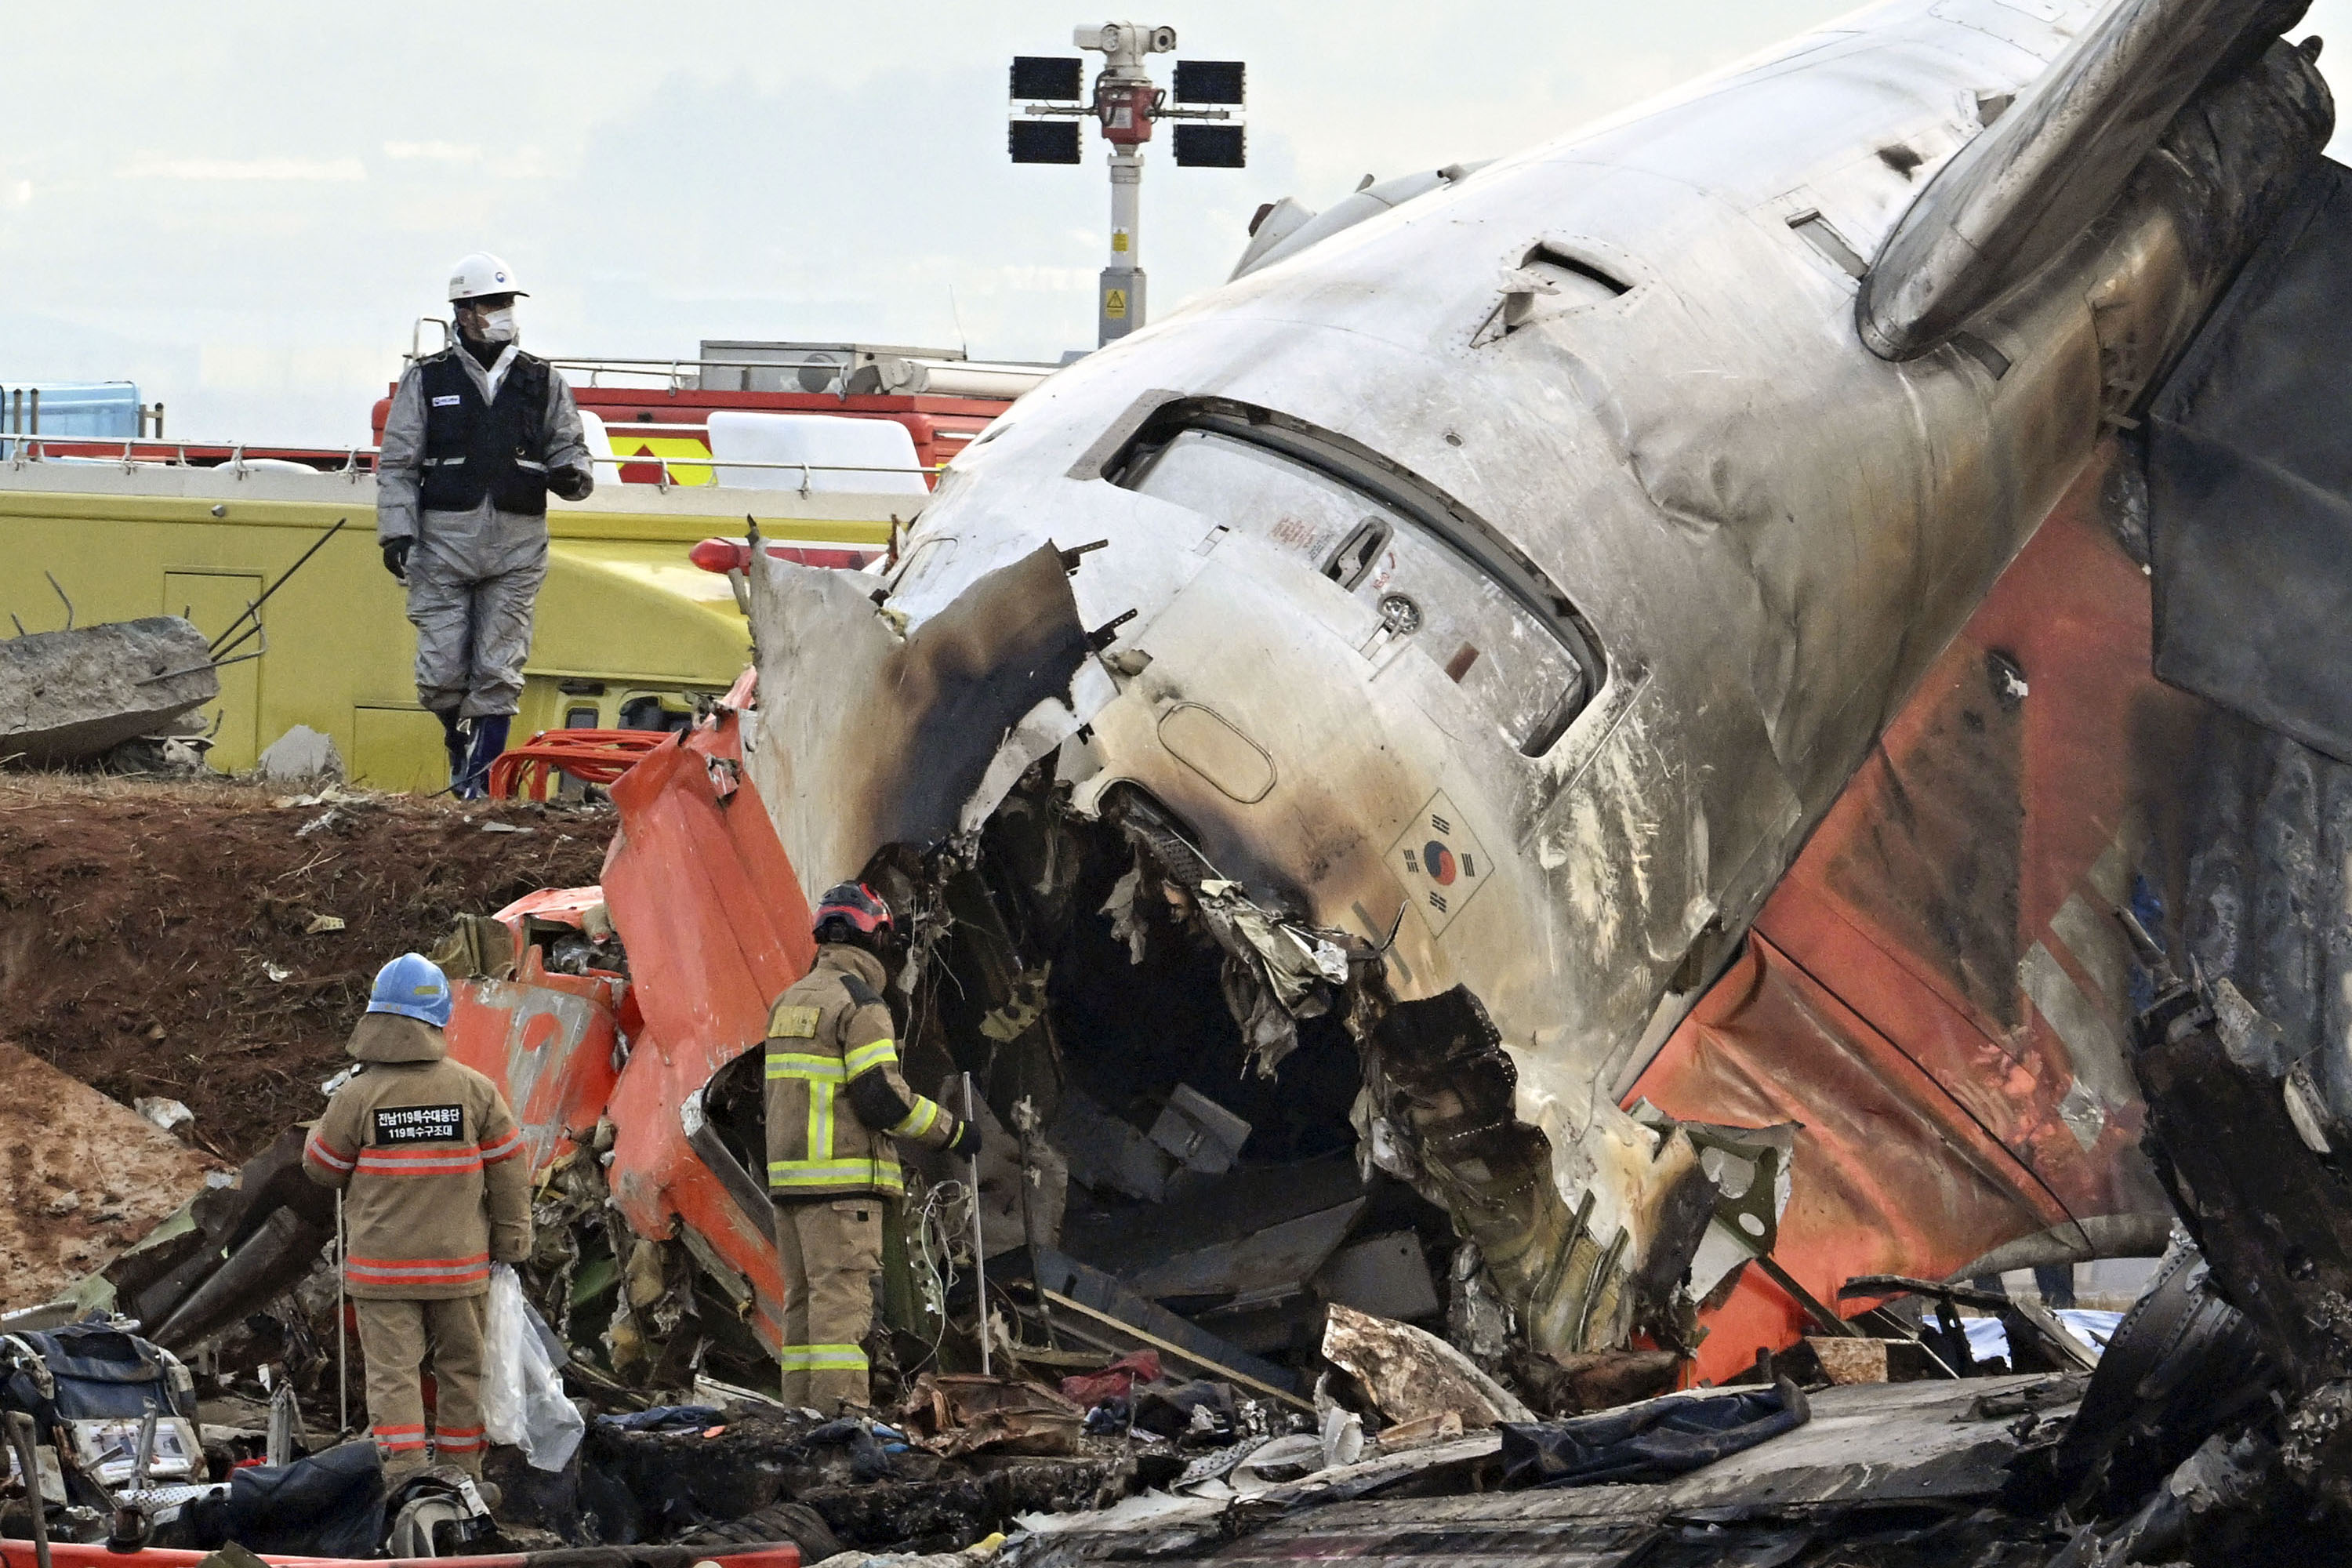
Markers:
(2250, 484)
(667, 1419)
(1653, 1441)
(329, 1505)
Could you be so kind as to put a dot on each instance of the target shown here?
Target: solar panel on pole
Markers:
(1044, 141)
(1051, 79)
(1209, 81)
(1210, 146)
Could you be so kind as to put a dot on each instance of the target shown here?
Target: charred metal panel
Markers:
(885, 736)
(1440, 1110)
(1936, 989)
(2250, 486)
(1939, 860)
(2252, 1161)
(1909, 1473)
(2269, 890)
(1888, 1169)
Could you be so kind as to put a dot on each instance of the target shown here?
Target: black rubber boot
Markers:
(453, 740)
(489, 740)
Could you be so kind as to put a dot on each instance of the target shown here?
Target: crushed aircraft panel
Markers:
(1501, 590)
(715, 926)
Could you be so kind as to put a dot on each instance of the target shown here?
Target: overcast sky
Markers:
(243, 205)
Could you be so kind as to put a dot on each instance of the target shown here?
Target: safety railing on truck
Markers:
(674, 374)
(240, 459)
(133, 452)
(685, 375)
(679, 373)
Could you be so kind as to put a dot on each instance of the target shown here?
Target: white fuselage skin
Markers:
(1770, 532)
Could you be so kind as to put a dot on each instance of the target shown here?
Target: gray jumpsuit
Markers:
(472, 575)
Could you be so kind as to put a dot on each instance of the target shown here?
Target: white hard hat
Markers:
(479, 274)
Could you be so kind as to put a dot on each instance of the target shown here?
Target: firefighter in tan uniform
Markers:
(836, 1100)
(437, 1186)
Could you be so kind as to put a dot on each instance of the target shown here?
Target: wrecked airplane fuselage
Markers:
(1456, 628)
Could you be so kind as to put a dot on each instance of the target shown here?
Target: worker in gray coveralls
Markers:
(476, 437)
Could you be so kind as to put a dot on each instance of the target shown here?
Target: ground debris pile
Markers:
(1241, 1271)
(2210, 1427)
(211, 942)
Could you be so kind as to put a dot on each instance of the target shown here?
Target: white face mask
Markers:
(496, 326)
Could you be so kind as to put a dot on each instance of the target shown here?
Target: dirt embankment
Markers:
(85, 1176)
(168, 939)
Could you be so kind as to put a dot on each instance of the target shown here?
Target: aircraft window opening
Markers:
(1430, 570)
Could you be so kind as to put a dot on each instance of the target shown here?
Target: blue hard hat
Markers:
(413, 987)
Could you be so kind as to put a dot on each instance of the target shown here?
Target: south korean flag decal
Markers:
(1441, 863)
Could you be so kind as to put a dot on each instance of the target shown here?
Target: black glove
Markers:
(966, 1143)
(395, 557)
(572, 483)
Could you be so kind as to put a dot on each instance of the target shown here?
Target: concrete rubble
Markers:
(70, 696)
(300, 756)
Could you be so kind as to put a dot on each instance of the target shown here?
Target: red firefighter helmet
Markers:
(857, 906)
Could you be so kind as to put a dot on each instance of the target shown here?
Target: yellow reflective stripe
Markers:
(881, 1053)
(811, 1173)
(918, 1121)
(823, 1358)
(793, 1064)
(882, 1174)
(820, 1120)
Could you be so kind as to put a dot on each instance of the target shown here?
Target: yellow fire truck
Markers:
(629, 634)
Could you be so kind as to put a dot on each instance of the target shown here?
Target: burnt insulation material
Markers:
(2267, 891)
(2250, 484)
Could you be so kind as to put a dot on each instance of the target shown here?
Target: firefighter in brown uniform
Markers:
(437, 1186)
(836, 1100)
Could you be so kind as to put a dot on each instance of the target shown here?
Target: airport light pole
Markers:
(1049, 98)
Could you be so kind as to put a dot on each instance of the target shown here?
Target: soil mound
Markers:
(180, 939)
